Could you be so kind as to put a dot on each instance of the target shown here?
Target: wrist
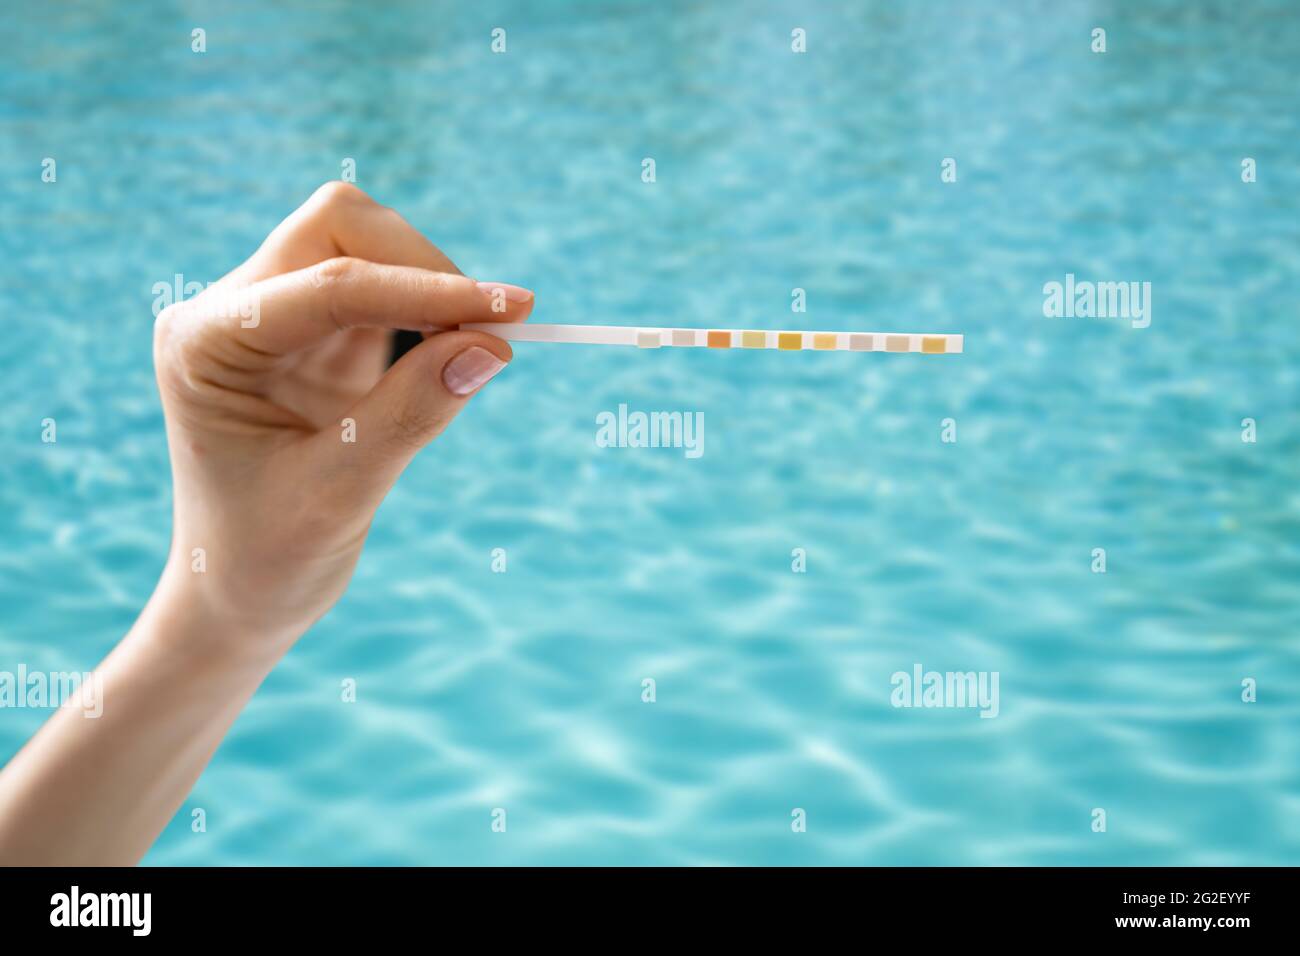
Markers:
(188, 615)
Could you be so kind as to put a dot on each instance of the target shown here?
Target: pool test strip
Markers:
(651, 338)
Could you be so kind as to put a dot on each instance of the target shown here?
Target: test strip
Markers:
(653, 338)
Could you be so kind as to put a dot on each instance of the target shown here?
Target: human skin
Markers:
(267, 485)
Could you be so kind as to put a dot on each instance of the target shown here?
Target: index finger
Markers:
(299, 309)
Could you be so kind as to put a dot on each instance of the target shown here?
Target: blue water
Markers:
(522, 690)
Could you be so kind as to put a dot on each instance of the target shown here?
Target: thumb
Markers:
(414, 401)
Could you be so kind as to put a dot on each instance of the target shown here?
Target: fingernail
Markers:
(512, 293)
(470, 369)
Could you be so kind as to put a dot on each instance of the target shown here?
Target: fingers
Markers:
(340, 220)
(303, 308)
(410, 406)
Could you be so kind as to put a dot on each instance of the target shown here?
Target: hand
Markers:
(263, 377)
(285, 430)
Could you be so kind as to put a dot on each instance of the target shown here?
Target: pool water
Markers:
(522, 690)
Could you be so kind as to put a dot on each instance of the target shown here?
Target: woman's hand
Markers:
(284, 428)
(285, 434)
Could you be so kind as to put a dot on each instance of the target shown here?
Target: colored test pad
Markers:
(652, 338)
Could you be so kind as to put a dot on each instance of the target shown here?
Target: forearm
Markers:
(285, 434)
(98, 790)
